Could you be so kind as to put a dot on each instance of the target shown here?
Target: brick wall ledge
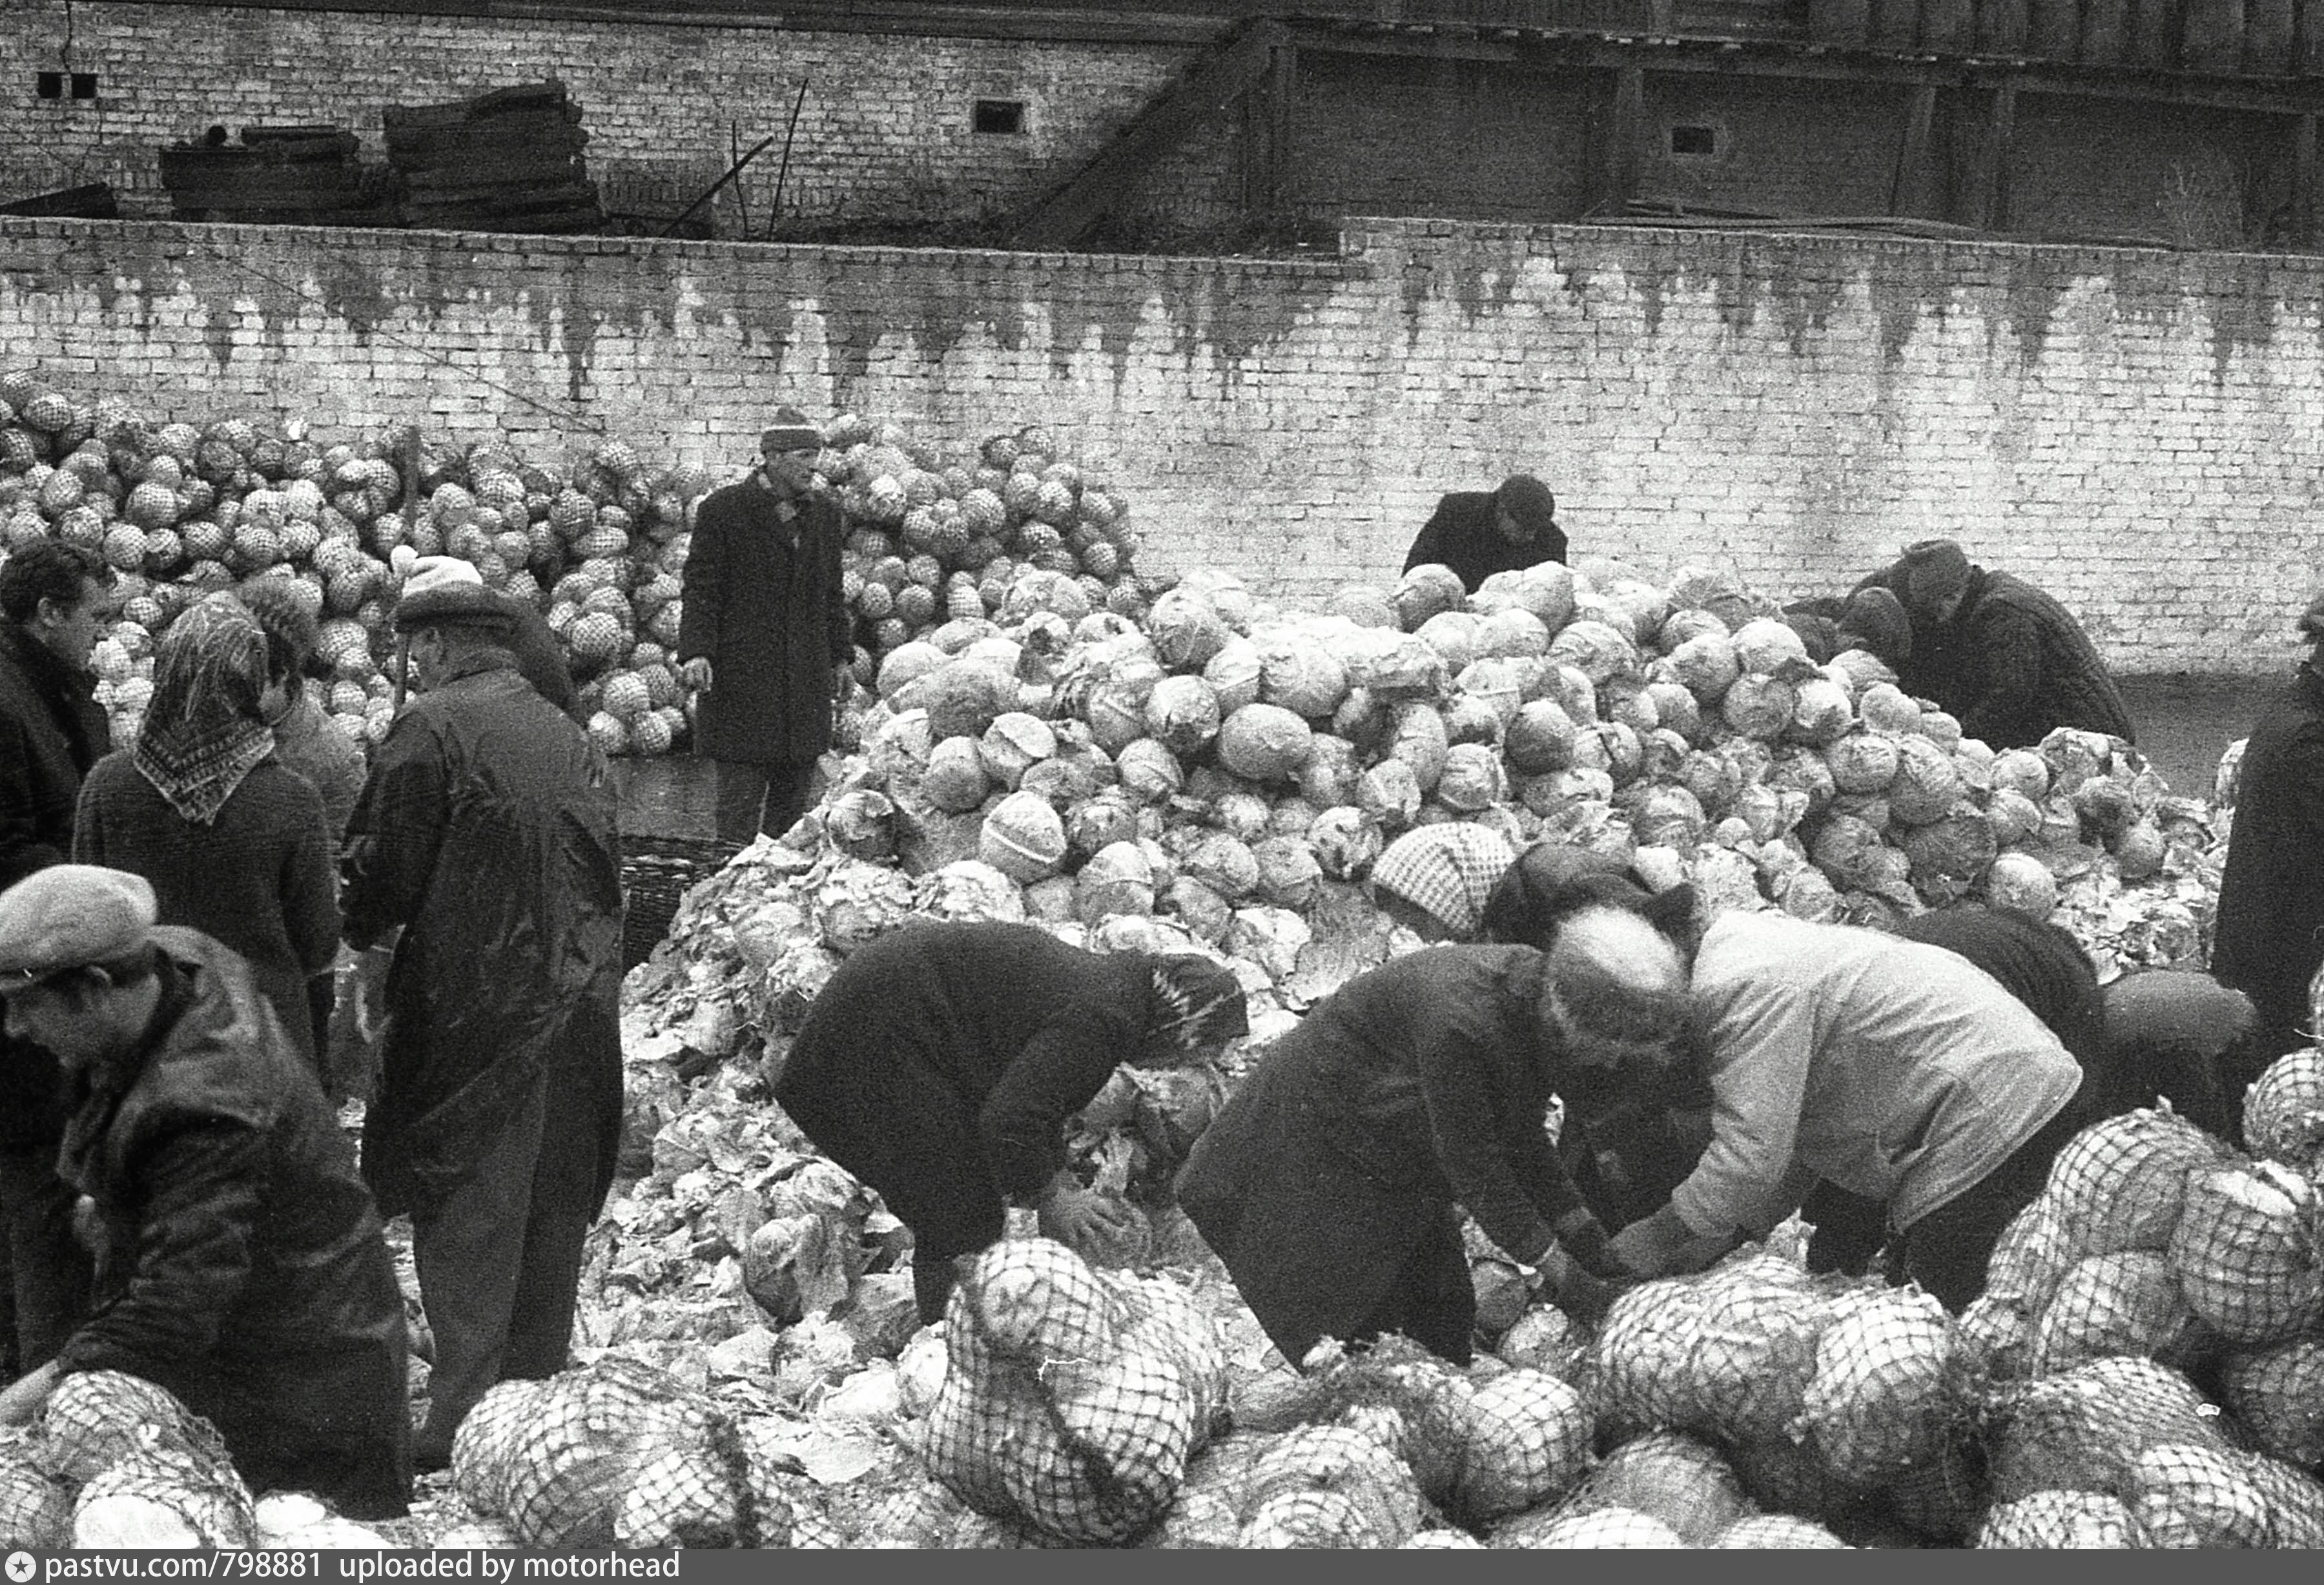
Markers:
(1338, 268)
(1092, 24)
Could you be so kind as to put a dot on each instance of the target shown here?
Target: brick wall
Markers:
(2139, 432)
(884, 131)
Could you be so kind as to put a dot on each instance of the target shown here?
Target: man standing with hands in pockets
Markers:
(765, 638)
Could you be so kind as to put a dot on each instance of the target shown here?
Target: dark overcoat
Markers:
(941, 1063)
(1464, 534)
(241, 1265)
(487, 831)
(1421, 1084)
(2022, 667)
(2269, 934)
(51, 731)
(764, 605)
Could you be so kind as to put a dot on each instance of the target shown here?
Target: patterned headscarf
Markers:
(1196, 1002)
(202, 732)
(1447, 870)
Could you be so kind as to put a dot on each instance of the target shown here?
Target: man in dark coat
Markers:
(1329, 1183)
(1479, 532)
(765, 635)
(54, 601)
(2004, 659)
(487, 833)
(241, 1265)
(941, 1063)
(2268, 937)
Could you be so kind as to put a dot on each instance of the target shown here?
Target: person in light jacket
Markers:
(1894, 1070)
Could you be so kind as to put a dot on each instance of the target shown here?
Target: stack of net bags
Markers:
(2156, 1263)
(1827, 1398)
(1073, 1398)
(114, 1461)
(613, 1453)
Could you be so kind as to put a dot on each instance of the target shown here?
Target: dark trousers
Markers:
(49, 1271)
(756, 800)
(1947, 1250)
(1432, 1300)
(500, 1258)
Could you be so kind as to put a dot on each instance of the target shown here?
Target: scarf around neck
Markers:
(202, 734)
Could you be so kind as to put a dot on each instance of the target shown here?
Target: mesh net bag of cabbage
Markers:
(1050, 1410)
(1162, 1319)
(484, 1449)
(1529, 1443)
(691, 1486)
(2060, 1519)
(2283, 1109)
(1598, 1530)
(94, 1418)
(165, 1495)
(2195, 1496)
(1682, 1481)
(1993, 1340)
(1777, 1533)
(1881, 1400)
(573, 1460)
(2085, 1428)
(1372, 1498)
(2244, 1252)
(2277, 1395)
(2126, 1302)
(2120, 1183)
(36, 1507)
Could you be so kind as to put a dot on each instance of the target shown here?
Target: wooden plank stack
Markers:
(505, 161)
(276, 176)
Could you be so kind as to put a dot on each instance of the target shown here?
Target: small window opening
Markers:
(50, 85)
(1002, 116)
(84, 85)
(1694, 140)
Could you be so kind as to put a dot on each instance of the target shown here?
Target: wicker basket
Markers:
(656, 872)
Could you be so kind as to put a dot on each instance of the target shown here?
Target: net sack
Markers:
(1881, 1399)
(1680, 1480)
(2244, 1252)
(2119, 1184)
(1066, 1400)
(1598, 1529)
(2085, 1429)
(2054, 1520)
(165, 1495)
(36, 1507)
(95, 1418)
(1526, 1442)
(2126, 1302)
(1328, 1486)
(2283, 1109)
(2277, 1395)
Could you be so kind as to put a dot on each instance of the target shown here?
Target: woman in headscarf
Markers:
(1331, 1181)
(941, 1063)
(233, 843)
(1433, 879)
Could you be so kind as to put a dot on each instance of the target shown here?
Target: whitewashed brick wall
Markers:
(2141, 433)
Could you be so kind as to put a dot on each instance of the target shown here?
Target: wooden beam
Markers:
(1625, 122)
(1206, 91)
(1546, 53)
(1267, 138)
(2303, 186)
(1914, 189)
(1983, 193)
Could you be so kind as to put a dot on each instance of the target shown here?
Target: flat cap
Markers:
(69, 915)
(445, 589)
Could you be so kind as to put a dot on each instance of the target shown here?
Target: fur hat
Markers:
(444, 591)
(1528, 501)
(1875, 618)
(69, 915)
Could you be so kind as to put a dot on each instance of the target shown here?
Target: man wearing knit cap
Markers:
(1479, 532)
(1433, 879)
(240, 1263)
(2008, 660)
(765, 636)
(487, 837)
